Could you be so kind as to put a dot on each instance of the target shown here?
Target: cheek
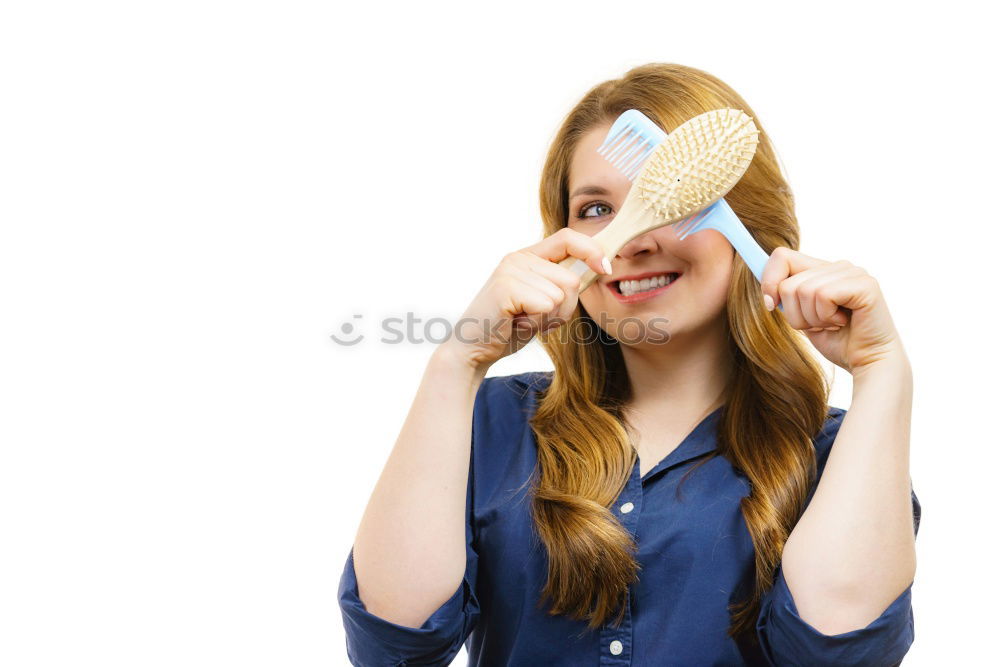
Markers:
(708, 251)
(710, 259)
(718, 269)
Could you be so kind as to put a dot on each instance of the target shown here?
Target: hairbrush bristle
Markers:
(698, 163)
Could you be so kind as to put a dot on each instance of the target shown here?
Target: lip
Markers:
(643, 296)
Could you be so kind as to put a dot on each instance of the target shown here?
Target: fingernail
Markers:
(768, 302)
(606, 263)
(833, 328)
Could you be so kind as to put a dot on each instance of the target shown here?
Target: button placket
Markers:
(616, 643)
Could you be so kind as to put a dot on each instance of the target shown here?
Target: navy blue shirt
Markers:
(695, 553)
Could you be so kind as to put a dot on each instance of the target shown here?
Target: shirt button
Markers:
(627, 507)
(616, 647)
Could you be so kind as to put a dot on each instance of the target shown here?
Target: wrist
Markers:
(451, 359)
(890, 371)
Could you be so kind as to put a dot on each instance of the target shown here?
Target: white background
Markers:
(196, 195)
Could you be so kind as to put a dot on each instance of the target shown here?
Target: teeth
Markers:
(630, 287)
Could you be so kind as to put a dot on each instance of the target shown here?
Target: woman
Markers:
(671, 493)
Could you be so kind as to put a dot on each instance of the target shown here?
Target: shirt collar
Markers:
(700, 441)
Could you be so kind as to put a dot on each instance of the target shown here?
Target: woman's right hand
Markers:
(527, 293)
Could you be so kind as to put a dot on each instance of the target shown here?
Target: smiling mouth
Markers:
(630, 288)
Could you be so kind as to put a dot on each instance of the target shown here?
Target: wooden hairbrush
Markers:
(693, 167)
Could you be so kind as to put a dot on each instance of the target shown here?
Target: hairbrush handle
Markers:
(580, 268)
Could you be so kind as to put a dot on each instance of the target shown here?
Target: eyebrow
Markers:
(589, 190)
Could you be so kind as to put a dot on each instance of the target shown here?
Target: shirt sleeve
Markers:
(373, 641)
(787, 639)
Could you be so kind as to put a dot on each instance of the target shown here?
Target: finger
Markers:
(536, 272)
(569, 242)
(807, 307)
(525, 299)
(526, 271)
(565, 311)
(782, 263)
(813, 292)
(856, 290)
(517, 276)
(792, 308)
(805, 285)
(564, 279)
(537, 305)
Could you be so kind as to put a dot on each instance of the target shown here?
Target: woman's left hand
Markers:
(837, 305)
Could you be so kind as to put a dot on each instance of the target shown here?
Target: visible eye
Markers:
(599, 206)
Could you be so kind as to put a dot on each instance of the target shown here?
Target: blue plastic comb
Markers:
(632, 137)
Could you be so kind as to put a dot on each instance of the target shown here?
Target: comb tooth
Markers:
(626, 157)
(611, 140)
(629, 169)
(636, 162)
(683, 225)
(626, 120)
(641, 163)
(691, 229)
(604, 144)
(626, 139)
(614, 154)
(623, 152)
(610, 144)
(632, 173)
(627, 147)
(693, 223)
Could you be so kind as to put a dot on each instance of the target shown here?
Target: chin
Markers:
(644, 329)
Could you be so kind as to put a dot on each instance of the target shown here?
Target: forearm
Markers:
(409, 552)
(853, 552)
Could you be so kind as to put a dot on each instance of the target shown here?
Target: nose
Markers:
(642, 244)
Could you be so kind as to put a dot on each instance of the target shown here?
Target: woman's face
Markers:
(702, 262)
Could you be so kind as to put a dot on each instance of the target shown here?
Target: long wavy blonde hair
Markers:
(774, 403)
